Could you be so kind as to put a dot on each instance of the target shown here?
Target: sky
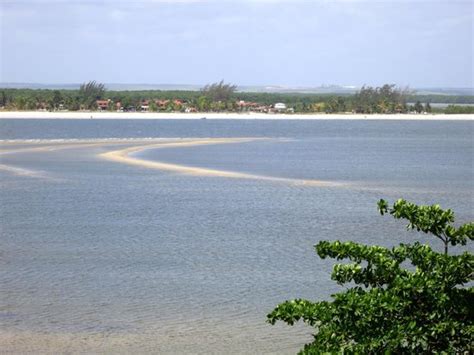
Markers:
(419, 43)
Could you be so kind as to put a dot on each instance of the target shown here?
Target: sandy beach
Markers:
(243, 116)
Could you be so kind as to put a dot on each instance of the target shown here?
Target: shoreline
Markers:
(68, 115)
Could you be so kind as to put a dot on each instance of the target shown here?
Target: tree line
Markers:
(223, 97)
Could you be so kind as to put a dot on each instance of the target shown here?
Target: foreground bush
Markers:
(395, 307)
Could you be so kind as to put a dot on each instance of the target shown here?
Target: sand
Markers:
(124, 156)
(133, 146)
(211, 116)
(44, 146)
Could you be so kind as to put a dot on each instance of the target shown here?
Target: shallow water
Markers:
(102, 256)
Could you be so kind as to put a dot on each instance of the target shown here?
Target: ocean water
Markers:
(101, 256)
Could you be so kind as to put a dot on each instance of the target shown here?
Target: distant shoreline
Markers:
(68, 115)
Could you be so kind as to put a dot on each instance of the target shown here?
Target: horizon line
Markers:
(270, 86)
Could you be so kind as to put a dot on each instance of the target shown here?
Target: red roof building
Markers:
(102, 104)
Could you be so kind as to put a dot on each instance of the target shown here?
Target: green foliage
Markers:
(335, 104)
(428, 107)
(430, 219)
(393, 307)
(90, 92)
(153, 107)
(218, 91)
(55, 101)
(367, 100)
(385, 99)
(418, 107)
(445, 99)
(203, 103)
(457, 109)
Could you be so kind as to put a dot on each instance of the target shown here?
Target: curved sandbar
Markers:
(123, 156)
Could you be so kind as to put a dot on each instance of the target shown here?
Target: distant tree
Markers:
(392, 307)
(331, 106)
(138, 104)
(203, 103)
(335, 104)
(152, 107)
(299, 107)
(385, 99)
(20, 103)
(30, 103)
(341, 104)
(73, 103)
(427, 107)
(418, 107)
(230, 105)
(218, 91)
(90, 92)
(56, 100)
(4, 99)
(217, 106)
(318, 107)
(458, 109)
(363, 100)
(126, 102)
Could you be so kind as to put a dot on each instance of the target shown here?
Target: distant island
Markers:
(223, 97)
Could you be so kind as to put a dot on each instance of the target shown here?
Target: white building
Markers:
(280, 106)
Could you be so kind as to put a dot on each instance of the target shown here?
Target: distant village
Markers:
(188, 107)
(221, 97)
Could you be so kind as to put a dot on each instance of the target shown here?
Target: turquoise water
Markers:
(94, 249)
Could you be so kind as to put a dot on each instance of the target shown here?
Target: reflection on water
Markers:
(111, 257)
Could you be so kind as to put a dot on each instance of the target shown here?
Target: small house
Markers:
(102, 105)
(145, 105)
(279, 106)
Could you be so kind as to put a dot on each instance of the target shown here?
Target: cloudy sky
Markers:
(421, 43)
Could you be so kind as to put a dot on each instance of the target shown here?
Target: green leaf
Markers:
(392, 306)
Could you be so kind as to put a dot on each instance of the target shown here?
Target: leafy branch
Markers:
(430, 219)
(425, 308)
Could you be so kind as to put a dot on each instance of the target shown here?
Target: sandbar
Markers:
(125, 156)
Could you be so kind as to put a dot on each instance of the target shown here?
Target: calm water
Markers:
(100, 256)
